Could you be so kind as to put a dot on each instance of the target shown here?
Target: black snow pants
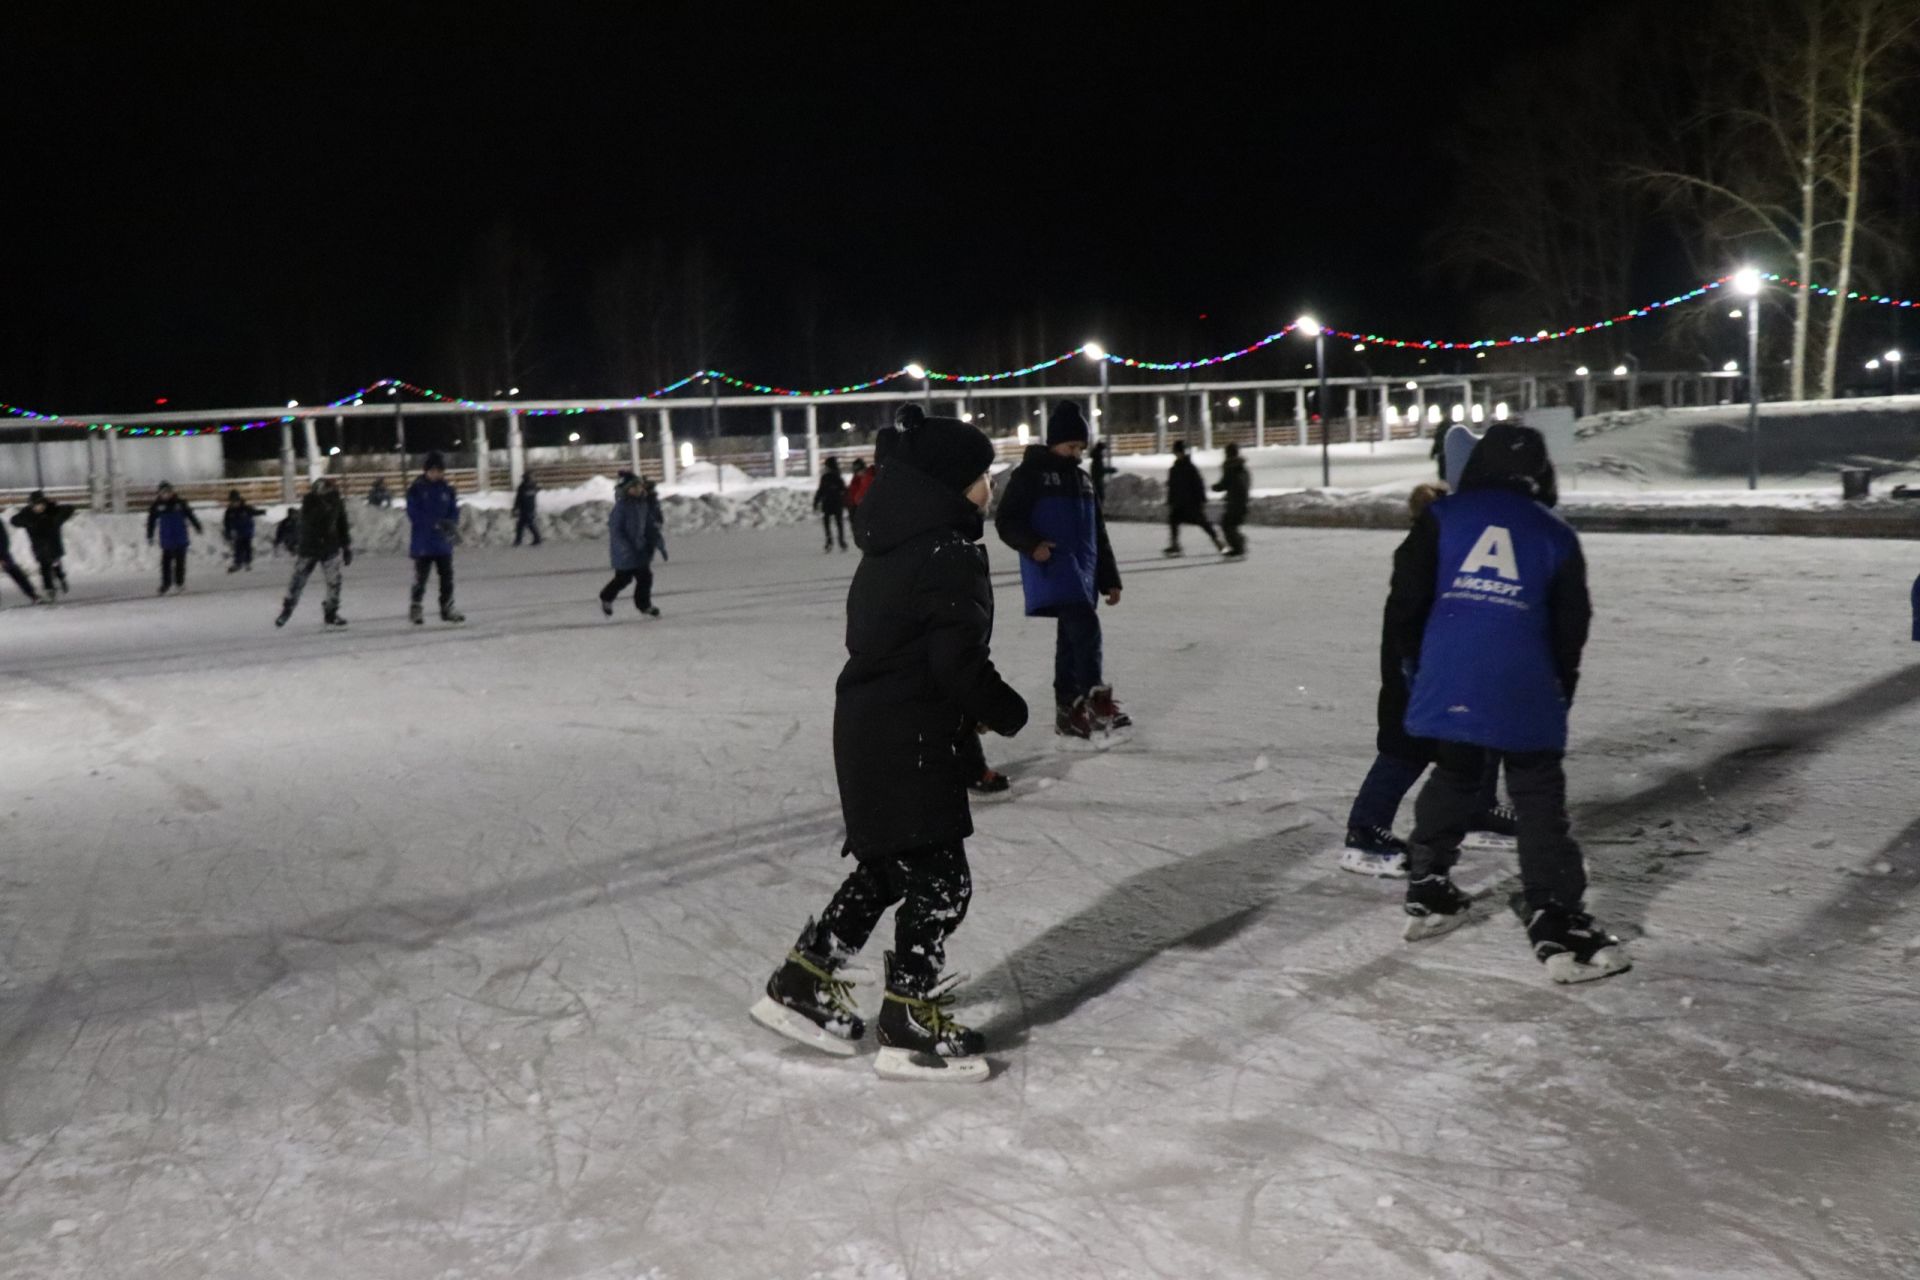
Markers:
(173, 568)
(623, 578)
(20, 579)
(422, 566)
(835, 520)
(932, 885)
(1552, 868)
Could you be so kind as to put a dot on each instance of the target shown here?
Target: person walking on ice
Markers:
(170, 517)
(634, 532)
(526, 510)
(1489, 613)
(1049, 515)
(11, 568)
(1186, 500)
(237, 525)
(42, 519)
(830, 500)
(433, 511)
(326, 540)
(1238, 486)
(919, 677)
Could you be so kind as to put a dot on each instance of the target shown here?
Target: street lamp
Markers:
(914, 369)
(1747, 283)
(1098, 354)
(1893, 369)
(1311, 327)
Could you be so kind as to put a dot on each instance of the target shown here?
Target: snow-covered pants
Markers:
(932, 885)
(1552, 869)
(329, 570)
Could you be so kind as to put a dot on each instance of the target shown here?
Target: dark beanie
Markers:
(953, 452)
(434, 462)
(1066, 424)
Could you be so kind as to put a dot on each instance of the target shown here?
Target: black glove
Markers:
(346, 556)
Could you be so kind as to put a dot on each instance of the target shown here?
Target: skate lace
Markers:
(837, 992)
(931, 1010)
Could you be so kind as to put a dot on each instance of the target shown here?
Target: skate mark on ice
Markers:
(1868, 898)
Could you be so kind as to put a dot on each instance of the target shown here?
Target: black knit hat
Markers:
(38, 495)
(951, 451)
(1066, 424)
(434, 462)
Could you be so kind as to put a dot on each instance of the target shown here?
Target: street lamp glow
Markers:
(783, 448)
(1172, 418)
(1500, 411)
(915, 369)
(1619, 371)
(293, 404)
(1433, 415)
(1731, 366)
(1746, 282)
(1479, 413)
(1023, 433)
(1093, 351)
(1233, 402)
(686, 453)
(573, 437)
(1892, 357)
(334, 452)
(1873, 364)
(1459, 413)
(513, 391)
(966, 417)
(1412, 385)
(1581, 372)
(846, 426)
(1392, 416)
(1308, 325)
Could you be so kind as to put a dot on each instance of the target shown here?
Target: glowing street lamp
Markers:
(1747, 282)
(1098, 354)
(1892, 359)
(686, 454)
(1312, 329)
(914, 369)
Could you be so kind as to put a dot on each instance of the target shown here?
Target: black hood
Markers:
(1511, 456)
(906, 502)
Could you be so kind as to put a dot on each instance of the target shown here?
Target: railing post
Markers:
(1586, 396)
(1300, 413)
(1420, 410)
(1353, 414)
(315, 463)
(287, 485)
(96, 474)
(1259, 419)
(1383, 402)
(516, 451)
(1159, 424)
(482, 454)
(116, 473)
(1206, 420)
(813, 440)
(633, 443)
(779, 460)
(669, 465)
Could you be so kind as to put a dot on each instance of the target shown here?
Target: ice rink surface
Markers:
(427, 952)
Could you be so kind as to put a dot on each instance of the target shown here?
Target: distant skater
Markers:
(433, 511)
(170, 518)
(12, 570)
(1187, 500)
(43, 520)
(326, 540)
(634, 532)
(237, 526)
(1237, 485)
(526, 510)
(830, 500)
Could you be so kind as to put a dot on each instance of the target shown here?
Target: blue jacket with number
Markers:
(434, 511)
(1050, 499)
(1489, 609)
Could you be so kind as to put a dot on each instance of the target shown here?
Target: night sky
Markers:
(229, 214)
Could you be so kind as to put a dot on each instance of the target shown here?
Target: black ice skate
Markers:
(1107, 715)
(286, 612)
(805, 1002)
(333, 619)
(1496, 830)
(1074, 722)
(646, 610)
(416, 615)
(606, 608)
(1573, 947)
(1435, 905)
(450, 614)
(991, 783)
(919, 1040)
(1374, 851)
(1172, 552)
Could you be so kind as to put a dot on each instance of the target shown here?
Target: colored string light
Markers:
(1541, 337)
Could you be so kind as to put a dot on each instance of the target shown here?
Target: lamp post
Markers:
(1747, 283)
(914, 369)
(1311, 327)
(1098, 354)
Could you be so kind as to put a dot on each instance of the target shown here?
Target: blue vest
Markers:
(1065, 515)
(1487, 673)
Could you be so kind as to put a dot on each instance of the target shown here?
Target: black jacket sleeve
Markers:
(192, 519)
(1013, 519)
(950, 594)
(20, 518)
(1416, 562)
(1570, 617)
(1106, 574)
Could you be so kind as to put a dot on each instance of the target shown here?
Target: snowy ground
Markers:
(426, 953)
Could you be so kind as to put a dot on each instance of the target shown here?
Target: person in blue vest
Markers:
(170, 518)
(1489, 615)
(1050, 516)
(433, 509)
(634, 532)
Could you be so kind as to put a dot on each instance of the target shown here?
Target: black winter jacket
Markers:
(324, 531)
(830, 499)
(43, 530)
(1186, 492)
(918, 676)
(1237, 484)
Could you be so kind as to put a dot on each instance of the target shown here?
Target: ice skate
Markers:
(1374, 851)
(919, 1040)
(416, 615)
(646, 610)
(1074, 723)
(1107, 715)
(1494, 831)
(805, 1002)
(606, 608)
(991, 784)
(1173, 552)
(286, 613)
(332, 618)
(450, 614)
(1435, 905)
(1574, 947)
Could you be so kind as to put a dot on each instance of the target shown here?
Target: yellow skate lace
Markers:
(838, 991)
(932, 1011)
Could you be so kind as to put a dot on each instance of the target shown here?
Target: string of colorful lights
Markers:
(917, 374)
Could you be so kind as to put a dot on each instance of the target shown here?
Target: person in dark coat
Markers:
(1186, 500)
(12, 569)
(326, 540)
(634, 532)
(919, 677)
(43, 520)
(237, 526)
(1489, 614)
(1099, 468)
(286, 534)
(526, 507)
(170, 517)
(1237, 484)
(830, 500)
(1048, 514)
(379, 495)
(433, 510)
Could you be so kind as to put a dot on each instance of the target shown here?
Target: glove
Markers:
(446, 528)
(346, 556)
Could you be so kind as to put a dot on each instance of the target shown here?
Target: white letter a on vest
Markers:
(1493, 551)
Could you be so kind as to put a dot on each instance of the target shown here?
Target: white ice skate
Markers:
(774, 1016)
(1574, 947)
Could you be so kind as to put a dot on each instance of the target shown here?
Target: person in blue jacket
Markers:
(433, 509)
(634, 532)
(1489, 615)
(1050, 516)
(170, 516)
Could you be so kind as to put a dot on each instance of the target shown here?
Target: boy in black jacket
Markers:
(238, 526)
(42, 520)
(326, 540)
(918, 679)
